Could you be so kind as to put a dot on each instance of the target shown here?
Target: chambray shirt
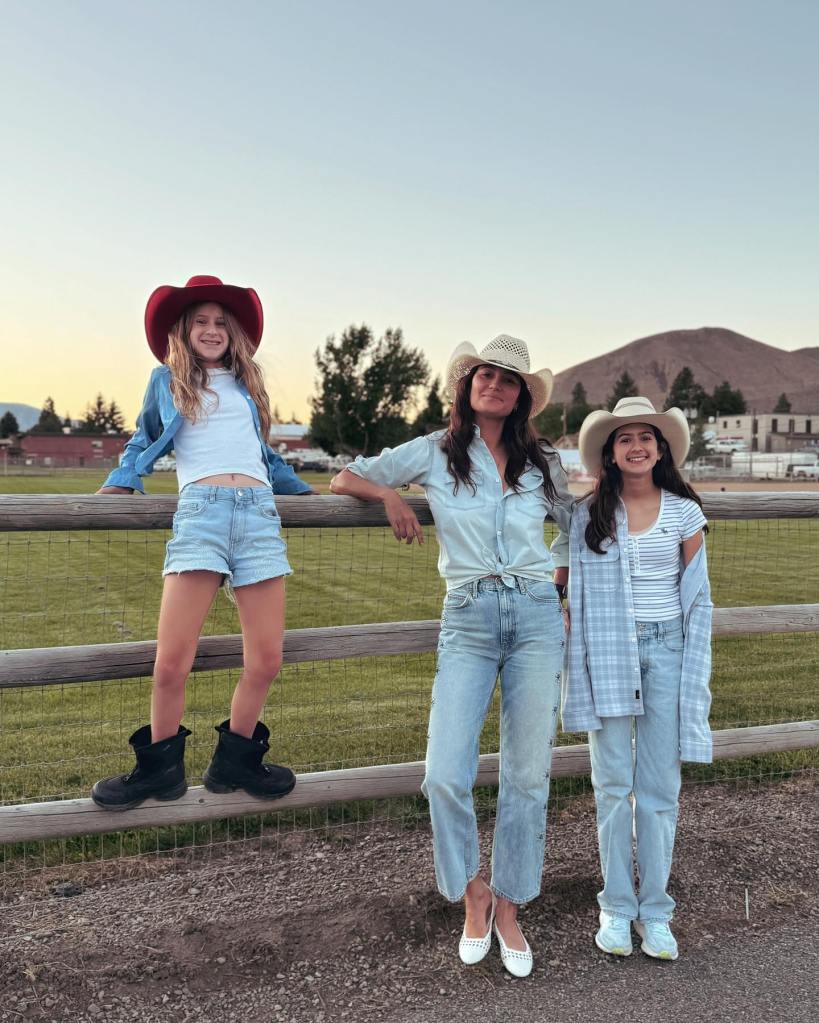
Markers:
(158, 423)
(489, 532)
(602, 677)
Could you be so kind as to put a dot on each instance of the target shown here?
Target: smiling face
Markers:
(635, 451)
(494, 392)
(208, 334)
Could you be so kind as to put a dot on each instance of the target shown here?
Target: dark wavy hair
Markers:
(518, 438)
(605, 497)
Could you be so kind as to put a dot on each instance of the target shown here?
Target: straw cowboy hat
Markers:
(597, 426)
(508, 353)
(167, 304)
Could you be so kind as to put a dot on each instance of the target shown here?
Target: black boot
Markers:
(237, 764)
(159, 773)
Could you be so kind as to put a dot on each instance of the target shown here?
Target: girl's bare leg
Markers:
(506, 918)
(186, 600)
(261, 612)
(478, 906)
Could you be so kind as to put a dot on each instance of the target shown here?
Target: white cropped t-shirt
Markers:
(223, 439)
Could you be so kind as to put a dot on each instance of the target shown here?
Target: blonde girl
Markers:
(207, 401)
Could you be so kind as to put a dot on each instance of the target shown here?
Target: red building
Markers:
(75, 450)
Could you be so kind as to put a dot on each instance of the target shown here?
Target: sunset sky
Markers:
(578, 175)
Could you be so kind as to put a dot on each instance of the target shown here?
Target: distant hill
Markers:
(26, 415)
(714, 354)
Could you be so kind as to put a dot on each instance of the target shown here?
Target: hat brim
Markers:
(167, 304)
(465, 357)
(598, 426)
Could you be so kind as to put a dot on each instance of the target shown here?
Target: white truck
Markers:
(775, 465)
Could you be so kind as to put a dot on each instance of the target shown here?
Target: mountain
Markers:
(26, 415)
(762, 372)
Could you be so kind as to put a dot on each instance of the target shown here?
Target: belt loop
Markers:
(473, 586)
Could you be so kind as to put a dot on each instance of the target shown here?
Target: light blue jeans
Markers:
(637, 789)
(488, 629)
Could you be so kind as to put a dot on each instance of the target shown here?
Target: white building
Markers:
(770, 432)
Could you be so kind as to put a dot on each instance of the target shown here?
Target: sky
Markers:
(577, 175)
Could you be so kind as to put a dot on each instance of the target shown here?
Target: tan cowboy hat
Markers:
(597, 427)
(508, 353)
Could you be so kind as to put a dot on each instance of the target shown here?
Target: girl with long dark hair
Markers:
(490, 484)
(639, 656)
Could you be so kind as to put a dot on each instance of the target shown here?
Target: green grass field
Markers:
(101, 587)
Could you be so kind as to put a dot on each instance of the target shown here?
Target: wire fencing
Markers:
(96, 586)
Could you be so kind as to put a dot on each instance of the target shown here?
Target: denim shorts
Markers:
(235, 531)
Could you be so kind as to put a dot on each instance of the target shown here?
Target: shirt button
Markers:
(632, 639)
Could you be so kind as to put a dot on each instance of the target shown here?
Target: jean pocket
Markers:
(541, 591)
(188, 508)
(675, 643)
(269, 511)
(458, 598)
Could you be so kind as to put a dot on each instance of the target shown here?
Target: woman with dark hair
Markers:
(490, 484)
(639, 656)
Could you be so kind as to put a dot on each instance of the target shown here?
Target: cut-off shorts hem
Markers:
(276, 572)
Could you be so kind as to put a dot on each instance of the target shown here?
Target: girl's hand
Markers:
(405, 525)
(115, 490)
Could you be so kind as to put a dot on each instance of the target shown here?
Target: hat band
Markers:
(504, 365)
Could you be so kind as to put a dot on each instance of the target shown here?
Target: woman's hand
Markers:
(115, 490)
(405, 524)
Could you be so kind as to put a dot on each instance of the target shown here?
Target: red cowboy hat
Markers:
(167, 304)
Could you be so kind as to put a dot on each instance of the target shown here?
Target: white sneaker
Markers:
(519, 964)
(472, 950)
(658, 941)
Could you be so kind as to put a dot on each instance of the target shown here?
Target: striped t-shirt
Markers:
(654, 558)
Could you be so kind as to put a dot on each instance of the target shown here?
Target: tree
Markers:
(578, 408)
(49, 421)
(624, 388)
(432, 416)
(726, 401)
(102, 418)
(365, 389)
(698, 445)
(549, 422)
(782, 405)
(9, 425)
(685, 393)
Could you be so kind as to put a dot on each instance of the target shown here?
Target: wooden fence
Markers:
(108, 661)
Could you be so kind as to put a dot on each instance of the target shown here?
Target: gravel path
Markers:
(320, 928)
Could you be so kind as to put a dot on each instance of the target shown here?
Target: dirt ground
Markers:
(326, 927)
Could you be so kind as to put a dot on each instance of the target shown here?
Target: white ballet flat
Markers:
(519, 964)
(472, 950)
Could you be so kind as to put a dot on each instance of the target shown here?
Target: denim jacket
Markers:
(602, 677)
(157, 425)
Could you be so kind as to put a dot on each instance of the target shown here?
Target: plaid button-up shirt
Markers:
(602, 677)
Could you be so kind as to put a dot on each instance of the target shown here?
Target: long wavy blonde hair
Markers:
(189, 378)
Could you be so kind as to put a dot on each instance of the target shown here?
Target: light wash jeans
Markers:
(488, 629)
(637, 790)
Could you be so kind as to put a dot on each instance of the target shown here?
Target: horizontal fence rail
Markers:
(57, 512)
(43, 666)
(69, 817)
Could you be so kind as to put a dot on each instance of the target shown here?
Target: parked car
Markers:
(804, 472)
